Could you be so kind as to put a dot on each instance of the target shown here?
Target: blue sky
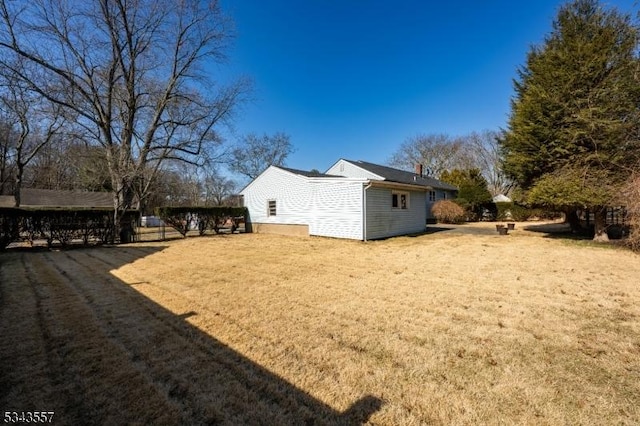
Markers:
(354, 79)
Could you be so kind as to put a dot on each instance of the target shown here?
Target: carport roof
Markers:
(47, 198)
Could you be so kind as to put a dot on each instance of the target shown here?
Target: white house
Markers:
(436, 191)
(348, 201)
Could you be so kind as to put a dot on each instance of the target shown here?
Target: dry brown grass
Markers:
(443, 328)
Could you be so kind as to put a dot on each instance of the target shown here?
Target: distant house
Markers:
(352, 199)
(52, 199)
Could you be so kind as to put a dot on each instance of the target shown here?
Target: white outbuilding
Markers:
(501, 198)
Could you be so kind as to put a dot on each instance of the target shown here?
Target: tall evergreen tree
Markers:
(572, 136)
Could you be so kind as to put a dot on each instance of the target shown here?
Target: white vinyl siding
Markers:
(385, 221)
(337, 208)
(331, 207)
(346, 169)
(290, 193)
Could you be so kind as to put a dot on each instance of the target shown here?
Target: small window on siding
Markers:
(432, 195)
(444, 195)
(271, 208)
(400, 200)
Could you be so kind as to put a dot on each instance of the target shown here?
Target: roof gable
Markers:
(347, 168)
(296, 174)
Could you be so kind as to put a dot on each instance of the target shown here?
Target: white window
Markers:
(432, 195)
(271, 207)
(400, 200)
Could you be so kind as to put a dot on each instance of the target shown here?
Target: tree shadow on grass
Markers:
(106, 354)
(435, 229)
(430, 229)
(559, 230)
(459, 229)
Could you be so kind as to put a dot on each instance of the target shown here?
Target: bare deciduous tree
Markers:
(254, 154)
(36, 122)
(440, 153)
(484, 149)
(7, 148)
(436, 152)
(133, 73)
(218, 189)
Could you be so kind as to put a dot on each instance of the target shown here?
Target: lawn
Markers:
(442, 328)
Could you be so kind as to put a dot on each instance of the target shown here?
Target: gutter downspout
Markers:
(364, 210)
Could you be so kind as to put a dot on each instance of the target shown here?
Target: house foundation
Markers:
(281, 229)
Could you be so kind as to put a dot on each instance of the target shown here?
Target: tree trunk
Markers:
(16, 192)
(17, 196)
(600, 234)
(115, 228)
(125, 224)
(122, 201)
(571, 217)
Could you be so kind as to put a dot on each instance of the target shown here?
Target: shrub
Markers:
(9, 227)
(470, 214)
(462, 202)
(489, 211)
(520, 213)
(58, 224)
(504, 210)
(447, 211)
(182, 219)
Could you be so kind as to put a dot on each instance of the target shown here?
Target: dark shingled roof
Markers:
(47, 198)
(401, 176)
(305, 173)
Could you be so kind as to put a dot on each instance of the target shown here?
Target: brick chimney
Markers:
(419, 170)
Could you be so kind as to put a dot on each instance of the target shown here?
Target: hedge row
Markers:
(182, 219)
(520, 213)
(57, 225)
(446, 212)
